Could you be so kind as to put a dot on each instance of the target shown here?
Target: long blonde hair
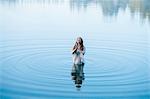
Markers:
(81, 44)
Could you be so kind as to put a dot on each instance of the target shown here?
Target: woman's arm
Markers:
(74, 48)
(73, 51)
(83, 52)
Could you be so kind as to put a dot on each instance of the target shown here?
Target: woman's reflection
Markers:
(77, 74)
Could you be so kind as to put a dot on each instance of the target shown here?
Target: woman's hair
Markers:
(81, 44)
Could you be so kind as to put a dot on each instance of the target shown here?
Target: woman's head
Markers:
(79, 43)
(79, 40)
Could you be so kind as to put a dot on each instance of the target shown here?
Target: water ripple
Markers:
(41, 68)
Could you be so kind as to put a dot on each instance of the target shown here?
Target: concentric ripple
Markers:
(42, 69)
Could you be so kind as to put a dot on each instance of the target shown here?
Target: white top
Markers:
(78, 56)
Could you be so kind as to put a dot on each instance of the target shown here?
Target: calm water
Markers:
(36, 37)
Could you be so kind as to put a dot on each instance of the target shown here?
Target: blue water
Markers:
(36, 38)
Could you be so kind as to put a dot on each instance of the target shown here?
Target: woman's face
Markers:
(78, 40)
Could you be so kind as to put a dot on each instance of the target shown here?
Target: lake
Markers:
(37, 36)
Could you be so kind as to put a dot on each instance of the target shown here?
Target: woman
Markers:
(78, 51)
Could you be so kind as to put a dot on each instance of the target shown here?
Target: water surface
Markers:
(36, 37)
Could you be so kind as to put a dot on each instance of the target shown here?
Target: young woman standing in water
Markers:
(78, 51)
